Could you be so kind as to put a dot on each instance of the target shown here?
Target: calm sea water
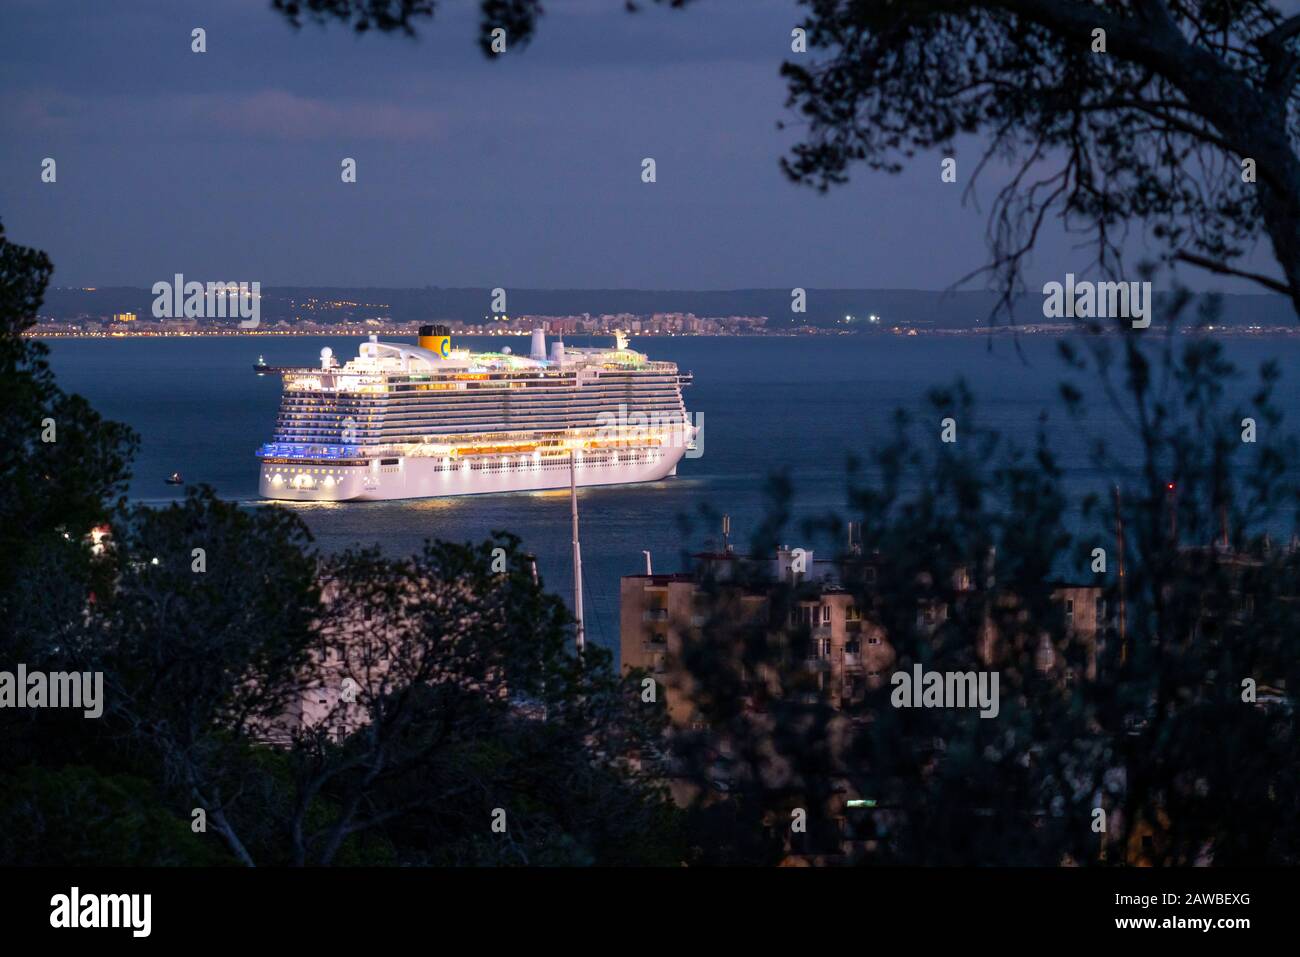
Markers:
(768, 404)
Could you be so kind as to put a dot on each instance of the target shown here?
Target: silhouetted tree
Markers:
(1178, 724)
(62, 467)
(224, 640)
(1112, 110)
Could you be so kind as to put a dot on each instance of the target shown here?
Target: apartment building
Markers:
(847, 653)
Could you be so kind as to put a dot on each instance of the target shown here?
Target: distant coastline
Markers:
(43, 331)
(301, 310)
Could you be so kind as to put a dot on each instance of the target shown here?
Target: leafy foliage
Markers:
(224, 641)
(1147, 718)
(1152, 129)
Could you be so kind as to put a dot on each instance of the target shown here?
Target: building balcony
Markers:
(655, 614)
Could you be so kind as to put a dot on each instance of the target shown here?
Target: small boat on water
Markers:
(260, 365)
(175, 479)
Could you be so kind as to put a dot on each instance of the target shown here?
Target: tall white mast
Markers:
(577, 553)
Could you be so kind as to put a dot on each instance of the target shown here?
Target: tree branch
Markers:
(1224, 269)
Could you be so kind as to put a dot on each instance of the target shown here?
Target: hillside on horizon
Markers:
(825, 307)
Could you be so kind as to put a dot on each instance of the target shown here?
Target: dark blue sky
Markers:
(518, 173)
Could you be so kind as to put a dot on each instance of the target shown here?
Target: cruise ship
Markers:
(403, 420)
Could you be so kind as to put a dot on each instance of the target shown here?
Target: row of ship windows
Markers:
(530, 437)
(668, 440)
(643, 459)
(450, 428)
(419, 414)
(453, 428)
(522, 417)
(518, 376)
(590, 395)
(550, 466)
(499, 381)
(645, 405)
(539, 385)
(335, 436)
(567, 385)
(514, 465)
(667, 398)
(445, 398)
(411, 412)
(608, 388)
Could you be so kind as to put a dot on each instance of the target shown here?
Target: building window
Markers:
(852, 647)
(853, 613)
(873, 640)
(1101, 612)
(1069, 611)
(826, 614)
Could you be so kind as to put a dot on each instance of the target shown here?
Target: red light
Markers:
(1170, 486)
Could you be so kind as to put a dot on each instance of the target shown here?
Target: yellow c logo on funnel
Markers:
(438, 345)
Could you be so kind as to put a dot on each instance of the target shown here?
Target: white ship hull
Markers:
(424, 477)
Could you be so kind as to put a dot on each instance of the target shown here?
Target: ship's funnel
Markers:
(557, 352)
(539, 343)
(437, 339)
